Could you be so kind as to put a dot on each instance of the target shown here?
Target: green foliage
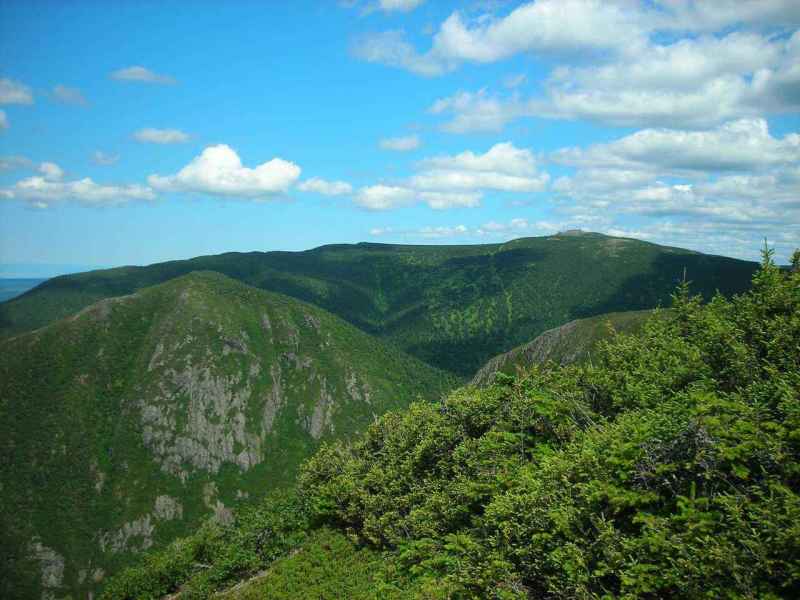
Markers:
(451, 306)
(573, 342)
(77, 399)
(215, 556)
(669, 467)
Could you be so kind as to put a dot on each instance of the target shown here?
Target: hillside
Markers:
(570, 343)
(665, 468)
(131, 422)
(454, 307)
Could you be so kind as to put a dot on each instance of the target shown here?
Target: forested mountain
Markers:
(134, 420)
(667, 467)
(454, 307)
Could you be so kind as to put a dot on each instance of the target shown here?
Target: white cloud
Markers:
(51, 171)
(690, 83)
(544, 26)
(503, 167)
(218, 170)
(12, 163)
(399, 5)
(501, 158)
(698, 15)
(326, 188)
(14, 92)
(478, 111)
(442, 232)
(41, 192)
(400, 144)
(513, 81)
(463, 180)
(737, 145)
(719, 190)
(3, 120)
(562, 27)
(141, 74)
(69, 95)
(384, 197)
(391, 48)
(445, 200)
(150, 135)
(458, 181)
(104, 159)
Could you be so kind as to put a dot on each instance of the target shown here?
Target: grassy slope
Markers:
(452, 306)
(193, 361)
(572, 342)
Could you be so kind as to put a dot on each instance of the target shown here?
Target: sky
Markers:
(138, 132)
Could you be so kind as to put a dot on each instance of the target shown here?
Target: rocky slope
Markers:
(572, 342)
(130, 422)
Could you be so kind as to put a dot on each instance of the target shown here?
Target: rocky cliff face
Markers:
(129, 423)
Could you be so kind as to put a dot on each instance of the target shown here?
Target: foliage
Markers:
(669, 467)
(215, 555)
(76, 472)
(575, 341)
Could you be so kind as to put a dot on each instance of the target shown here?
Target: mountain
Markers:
(570, 343)
(453, 307)
(133, 420)
(665, 468)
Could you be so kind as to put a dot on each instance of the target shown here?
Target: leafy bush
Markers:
(667, 468)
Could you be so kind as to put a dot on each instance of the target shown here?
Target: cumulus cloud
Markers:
(14, 92)
(400, 144)
(51, 171)
(326, 188)
(44, 191)
(693, 83)
(218, 170)
(459, 181)
(544, 26)
(738, 145)
(69, 95)
(3, 120)
(104, 159)
(503, 168)
(731, 186)
(150, 135)
(142, 75)
(696, 15)
(384, 197)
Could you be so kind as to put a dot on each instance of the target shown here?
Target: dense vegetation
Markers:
(572, 342)
(668, 466)
(127, 425)
(453, 307)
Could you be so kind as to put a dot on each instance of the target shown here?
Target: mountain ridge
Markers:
(451, 306)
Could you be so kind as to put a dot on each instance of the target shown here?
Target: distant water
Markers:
(11, 288)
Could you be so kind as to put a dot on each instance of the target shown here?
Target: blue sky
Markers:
(137, 132)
